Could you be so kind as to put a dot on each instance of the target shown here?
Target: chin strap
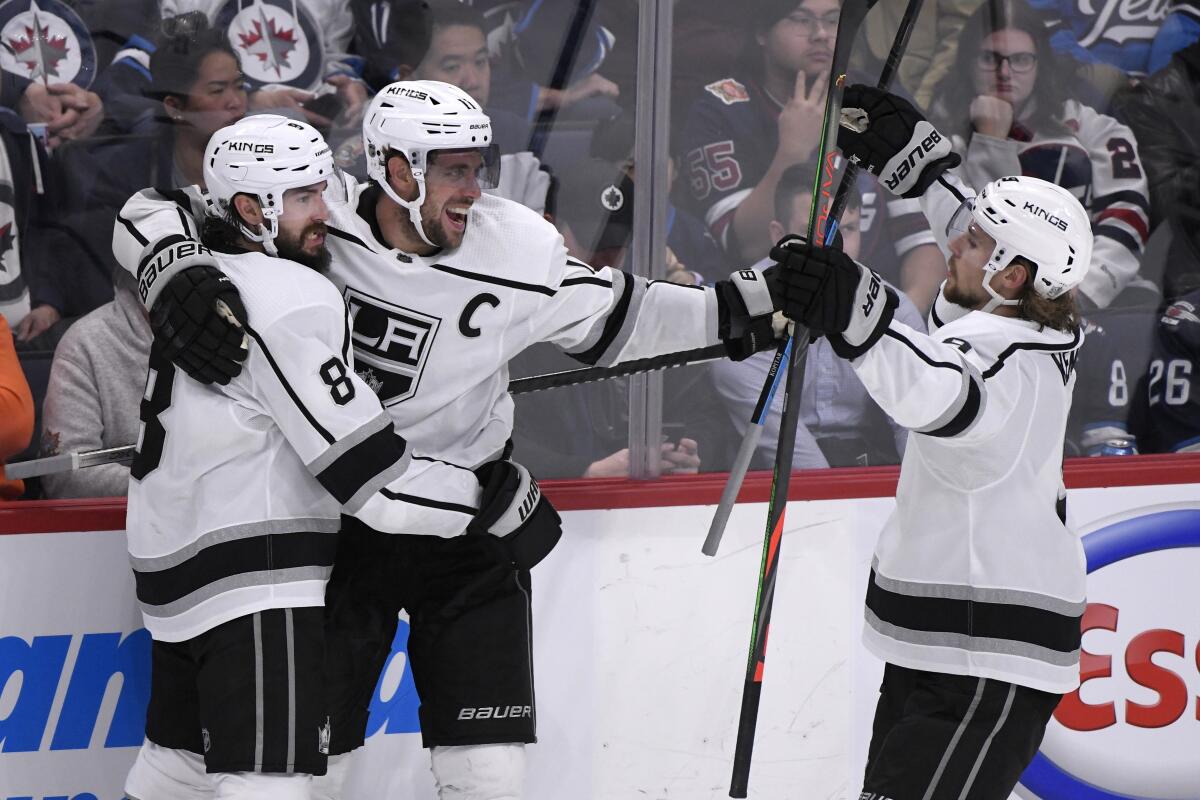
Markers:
(264, 236)
(997, 298)
(413, 206)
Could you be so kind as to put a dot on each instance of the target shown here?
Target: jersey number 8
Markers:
(333, 372)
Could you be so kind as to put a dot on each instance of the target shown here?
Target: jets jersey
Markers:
(975, 572)
(731, 137)
(296, 43)
(1112, 363)
(1097, 161)
(236, 491)
(1170, 395)
(433, 335)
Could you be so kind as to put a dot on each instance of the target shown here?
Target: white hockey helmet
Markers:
(416, 118)
(1036, 220)
(263, 156)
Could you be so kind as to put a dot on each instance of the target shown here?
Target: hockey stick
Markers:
(852, 14)
(741, 464)
(534, 383)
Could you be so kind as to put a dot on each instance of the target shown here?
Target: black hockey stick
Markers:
(535, 383)
(852, 14)
(828, 224)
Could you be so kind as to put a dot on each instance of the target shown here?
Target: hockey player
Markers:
(977, 586)
(236, 492)
(445, 286)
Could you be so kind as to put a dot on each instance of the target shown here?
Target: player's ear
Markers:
(248, 209)
(400, 176)
(404, 72)
(776, 230)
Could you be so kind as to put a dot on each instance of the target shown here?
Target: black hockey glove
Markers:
(832, 294)
(746, 306)
(514, 509)
(886, 136)
(199, 322)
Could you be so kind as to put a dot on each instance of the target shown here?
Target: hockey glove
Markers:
(746, 306)
(199, 321)
(886, 136)
(514, 509)
(831, 293)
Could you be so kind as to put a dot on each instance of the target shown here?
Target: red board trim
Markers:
(107, 514)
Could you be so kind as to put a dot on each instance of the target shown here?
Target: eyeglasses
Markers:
(809, 24)
(1017, 62)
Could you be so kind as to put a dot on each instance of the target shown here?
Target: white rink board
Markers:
(641, 646)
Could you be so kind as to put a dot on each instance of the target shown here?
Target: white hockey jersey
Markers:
(235, 491)
(1096, 159)
(295, 43)
(433, 335)
(976, 573)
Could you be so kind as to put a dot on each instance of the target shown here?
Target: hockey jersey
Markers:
(433, 335)
(236, 491)
(1096, 159)
(730, 139)
(296, 43)
(1169, 421)
(975, 572)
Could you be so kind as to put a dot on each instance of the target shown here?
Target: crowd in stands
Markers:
(100, 100)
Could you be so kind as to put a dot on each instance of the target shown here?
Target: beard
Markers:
(291, 249)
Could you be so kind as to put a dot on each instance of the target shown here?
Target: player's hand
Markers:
(886, 136)
(800, 120)
(992, 116)
(832, 294)
(36, 322)
(199, 322)
(746, 306)
(513, 509)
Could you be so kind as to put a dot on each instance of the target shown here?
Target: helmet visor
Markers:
(464, 168)
(961, 220)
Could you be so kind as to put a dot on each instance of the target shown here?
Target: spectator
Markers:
(1180, 29)
(16, 411)
(96, 383)
(840, 425)
(391, 36)
(1022, 121)
(1163, 111)
(1168, 416)
(746, 130)
(198, 84)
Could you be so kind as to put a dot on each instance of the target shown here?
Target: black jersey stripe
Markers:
(268, 552)
(937, 321)
(326, 435)
(612, 325)
(894, 334)
(965, 416)
(1132, 198)
(590, 280)
(1019, 624)
(440, 461)
(950, 188)
(1119, 235)
(1013, 348)
(133, 231)
(340, 234)
(427, 502)
(495, 281)
(356, 467)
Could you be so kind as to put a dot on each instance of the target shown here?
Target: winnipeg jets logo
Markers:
(45, 42)
(274, 45)
(268, 43)
(391, 342)
(612, 198)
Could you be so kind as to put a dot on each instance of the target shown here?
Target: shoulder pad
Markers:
(728, 91)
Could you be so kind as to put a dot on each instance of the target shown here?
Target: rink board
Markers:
(641, 646)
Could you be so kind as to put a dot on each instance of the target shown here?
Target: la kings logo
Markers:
(393, 341)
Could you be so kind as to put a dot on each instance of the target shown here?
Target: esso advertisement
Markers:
(1132, 729)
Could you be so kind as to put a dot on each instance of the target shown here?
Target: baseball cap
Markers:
(596, 199)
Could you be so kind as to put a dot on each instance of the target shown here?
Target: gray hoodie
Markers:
(96, 384)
